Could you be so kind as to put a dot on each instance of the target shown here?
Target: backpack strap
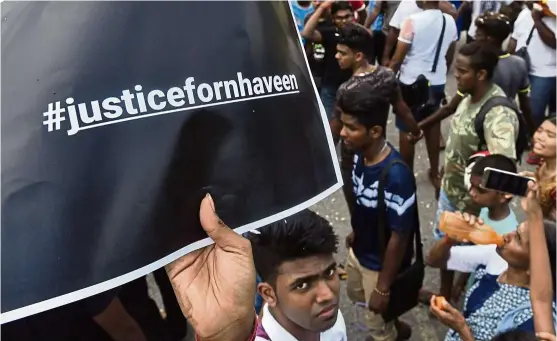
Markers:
(439, 43)
(530, 35)
(486, 107)
(382, 219)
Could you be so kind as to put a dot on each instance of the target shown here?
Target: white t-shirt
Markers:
(271, 330)
(467, 258)
(542, 57)
(422, 31)
(403, 11)
(481, 6)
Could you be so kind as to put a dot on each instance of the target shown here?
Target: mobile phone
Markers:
(506, 182)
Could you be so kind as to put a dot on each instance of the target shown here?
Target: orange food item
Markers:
(440, 302)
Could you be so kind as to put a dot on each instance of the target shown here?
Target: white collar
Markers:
(277, 333)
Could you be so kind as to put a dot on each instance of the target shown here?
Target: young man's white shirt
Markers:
(422, 31)
(467, 259)
(276, 332)
(481, 6)
(542, 57)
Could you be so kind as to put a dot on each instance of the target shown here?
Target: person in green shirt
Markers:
(474, 68)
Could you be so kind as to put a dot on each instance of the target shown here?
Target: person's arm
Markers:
(405, 39)
(545, 33)
(374, 14)
(392, 34)
(500, 131)
(541, 283)
(118, 323)
(443, 112)
(462, 9)
(309, 32)
(447, 7)
(390, 43)
(466, 334)
(400, 221)
(402, 111)
(511, 47)
(440, 253)
(519, 29)
(444, 255)
(449, 57)
(361, 12)
(392, 260)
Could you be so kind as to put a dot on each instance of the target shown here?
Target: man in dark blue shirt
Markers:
(364, 115)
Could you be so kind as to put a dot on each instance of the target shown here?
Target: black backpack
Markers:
(523, 136)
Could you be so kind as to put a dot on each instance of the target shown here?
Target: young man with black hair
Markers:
(474, 68)
(300, 284)
(328, 36)
(364, 110)
(353, 51)
(511, 72)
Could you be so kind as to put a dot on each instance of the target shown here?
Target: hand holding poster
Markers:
(117, 117)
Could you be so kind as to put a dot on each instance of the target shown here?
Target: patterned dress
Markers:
(488, 302)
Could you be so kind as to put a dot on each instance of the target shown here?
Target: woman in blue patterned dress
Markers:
(499, 300)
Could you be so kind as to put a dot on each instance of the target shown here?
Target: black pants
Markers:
(379, 40)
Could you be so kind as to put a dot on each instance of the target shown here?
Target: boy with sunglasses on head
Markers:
(496, 211)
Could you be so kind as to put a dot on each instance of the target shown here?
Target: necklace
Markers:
(378, 154)
(383, 149)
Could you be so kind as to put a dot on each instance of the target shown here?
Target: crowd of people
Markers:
(368, 58)
(399, 58)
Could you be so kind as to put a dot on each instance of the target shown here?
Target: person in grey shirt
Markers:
(511, 73)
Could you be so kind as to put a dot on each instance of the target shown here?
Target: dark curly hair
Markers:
(301, 235)
(361, 100)
(357, 38)
(482, 56)
(494, 25)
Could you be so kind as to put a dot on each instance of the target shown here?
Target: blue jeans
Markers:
(442, 205)
(328, 95)
(542, 97)
(437, 93)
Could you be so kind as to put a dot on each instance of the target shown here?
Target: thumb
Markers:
(450, 309)
(215, 228)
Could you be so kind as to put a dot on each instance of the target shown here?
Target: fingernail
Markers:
(211, 202)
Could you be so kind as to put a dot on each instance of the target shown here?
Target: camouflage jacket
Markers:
(501, 127)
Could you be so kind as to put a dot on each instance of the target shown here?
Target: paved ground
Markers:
(425, 328)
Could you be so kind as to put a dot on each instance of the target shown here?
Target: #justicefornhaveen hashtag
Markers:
(140, 105)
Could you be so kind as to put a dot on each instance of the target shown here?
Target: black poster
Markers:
(117, 117)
